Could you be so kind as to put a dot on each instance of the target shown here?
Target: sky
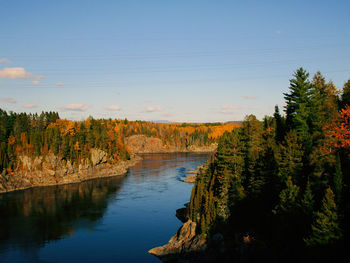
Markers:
(183, 61)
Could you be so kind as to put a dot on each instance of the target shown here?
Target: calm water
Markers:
(115, 219)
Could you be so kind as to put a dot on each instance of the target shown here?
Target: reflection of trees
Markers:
(37, 215)
(153, 163)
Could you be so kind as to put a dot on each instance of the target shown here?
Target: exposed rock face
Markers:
(53, 170)
(210, 148)
(98, 156)
(182, 214)
(193, 175)
(144, 144)
(185, 241)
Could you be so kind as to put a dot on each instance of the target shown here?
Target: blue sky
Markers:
(196, 61)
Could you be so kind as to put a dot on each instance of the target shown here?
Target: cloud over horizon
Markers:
(228, 109)
(29, 106)
(114, 108)
(60, 84)
(249, 97)
(152, 109)
(9, 100)
(17, 73)
(5, 60)
(74, 107)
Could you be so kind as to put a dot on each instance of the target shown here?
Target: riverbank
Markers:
(117, 217)
(64, 174)
(52, 170)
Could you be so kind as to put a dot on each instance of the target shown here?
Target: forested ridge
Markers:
(34, 135)
(278, 189)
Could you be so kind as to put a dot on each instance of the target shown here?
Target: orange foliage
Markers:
(339, 131)
(218, 131)
(66, 127)
(23, 138)
(11, 140)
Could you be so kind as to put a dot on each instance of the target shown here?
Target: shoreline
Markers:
(118, 169)
(76, 177)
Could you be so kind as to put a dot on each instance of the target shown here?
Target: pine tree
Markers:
(325, 229)
(288, 198)
(280, 125)
(307, 202)
(298, 103)
(345, 97)
(338, 180)
(290, 162)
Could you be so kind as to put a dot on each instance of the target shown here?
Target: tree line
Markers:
(40, 134)
(279, 188)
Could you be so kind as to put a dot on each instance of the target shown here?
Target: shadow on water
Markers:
(35, 216)
(102, 219)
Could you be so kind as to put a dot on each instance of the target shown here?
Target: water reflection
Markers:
(99, 220)
(35, 216)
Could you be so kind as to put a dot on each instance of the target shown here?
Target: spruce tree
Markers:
(338, 180)
(325, 229)
(345, 97)
(298, 103)
(307, 202)
(288, 198)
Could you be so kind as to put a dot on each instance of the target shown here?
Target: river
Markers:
(115, 219)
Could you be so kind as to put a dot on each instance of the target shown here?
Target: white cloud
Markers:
(224, 111)
(228, 109)
(249, 97)
(35, 82)
(60, 84)
(167, 115)
(114, 108)
(9, 100)
(17, 73)
(152, 109)
(5, 60)
(147, 101)
(29, 106)
(74, 107)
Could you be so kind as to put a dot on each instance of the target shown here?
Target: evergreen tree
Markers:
(345, 97)
(325, 229)
(290, 162)
(280, 125)
(298, 103)
(288, 198)
(338, 180)
(307, 202)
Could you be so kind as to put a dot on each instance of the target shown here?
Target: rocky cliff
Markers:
(184, 242)
(144, 144)
(53, 170)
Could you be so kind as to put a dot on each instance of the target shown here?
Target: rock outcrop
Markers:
(98, 156)
(184, 242)
(53, 170)
(144, 144)
(191, 178)
(193, 174)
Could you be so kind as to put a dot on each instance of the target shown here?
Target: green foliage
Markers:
(290, 162)
(345, 97)
(298, 103)
(325, 229)
(288, 198)
(307, 202)
(268, 178)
